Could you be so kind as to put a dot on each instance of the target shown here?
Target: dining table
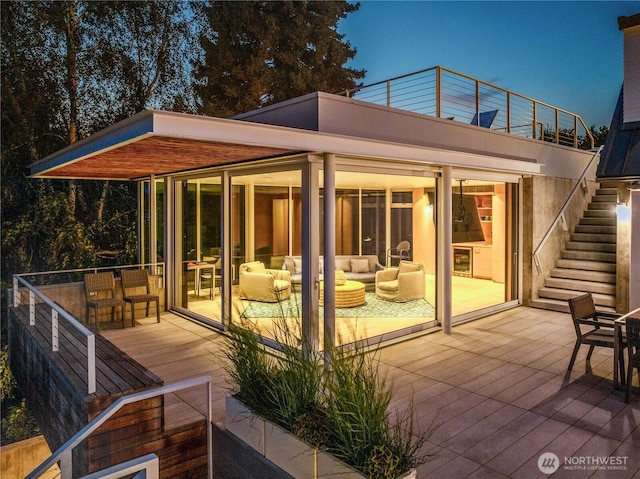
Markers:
(618, 335)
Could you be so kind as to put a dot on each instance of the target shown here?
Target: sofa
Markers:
(402, 283)
(258, 283)
(356, 268)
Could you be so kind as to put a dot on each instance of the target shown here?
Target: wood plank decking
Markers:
(494, 394)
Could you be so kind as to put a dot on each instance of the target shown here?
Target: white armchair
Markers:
(400, 284)
(260, 284)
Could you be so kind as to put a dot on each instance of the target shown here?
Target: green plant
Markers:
(343, 408)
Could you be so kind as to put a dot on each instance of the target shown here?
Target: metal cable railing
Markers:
(444, 93)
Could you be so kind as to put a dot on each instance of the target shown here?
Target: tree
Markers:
(259, 53)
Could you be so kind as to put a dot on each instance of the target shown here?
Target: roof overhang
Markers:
(160, 143)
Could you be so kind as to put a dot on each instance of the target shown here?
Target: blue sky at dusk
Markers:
(568, 54)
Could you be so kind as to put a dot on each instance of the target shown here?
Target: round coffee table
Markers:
(348, 295)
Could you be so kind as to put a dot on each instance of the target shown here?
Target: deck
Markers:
(494, 394)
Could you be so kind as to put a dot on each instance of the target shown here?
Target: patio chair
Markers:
(258, 283)
(133, 281)
(601, 333)
(633, 343)
(405, 282)
(400, 252)
(100, 291)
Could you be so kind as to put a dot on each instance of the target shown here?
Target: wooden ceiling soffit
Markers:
(160, 155)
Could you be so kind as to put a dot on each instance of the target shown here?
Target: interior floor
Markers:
(468, 294)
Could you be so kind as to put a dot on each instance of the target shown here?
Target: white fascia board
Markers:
(180, 125)
(132, 129)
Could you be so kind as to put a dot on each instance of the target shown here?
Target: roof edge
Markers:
(139, 125)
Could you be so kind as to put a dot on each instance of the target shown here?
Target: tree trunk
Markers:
(72, 88)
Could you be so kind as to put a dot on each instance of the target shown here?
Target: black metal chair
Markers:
(633, 343)
(600, 333)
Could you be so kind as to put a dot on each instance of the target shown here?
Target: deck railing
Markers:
(444, 93)
(64, 455)
(58, 313)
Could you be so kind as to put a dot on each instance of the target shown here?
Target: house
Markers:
(481, 186)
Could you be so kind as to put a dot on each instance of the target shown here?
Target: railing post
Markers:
(91, 364)
(66, 465)
(535, 119)
(575, 131)
(508, 112)
(388, 92)
(557, 128)
(16, 293)
(438, 86)
(477, 103)
(32, 308)
(54, 330)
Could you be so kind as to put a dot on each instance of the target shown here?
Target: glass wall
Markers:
(483, 237)
(198, 245)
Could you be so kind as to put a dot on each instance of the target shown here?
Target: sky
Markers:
(565, 53)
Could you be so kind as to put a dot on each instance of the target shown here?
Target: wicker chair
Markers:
(633, 342)
(136, 279)
(601, 333)
(100, 291)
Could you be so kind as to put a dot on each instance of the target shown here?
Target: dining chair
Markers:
(633, 344)
(600, 332)
(100, 292)
(133, 281)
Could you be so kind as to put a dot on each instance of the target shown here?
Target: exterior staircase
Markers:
(588, 261)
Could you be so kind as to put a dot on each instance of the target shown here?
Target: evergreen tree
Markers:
(259, 53)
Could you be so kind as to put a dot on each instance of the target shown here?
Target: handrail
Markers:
(64, 452)
(148, 464)
(535, 104)
(562, 210)
(56, 313)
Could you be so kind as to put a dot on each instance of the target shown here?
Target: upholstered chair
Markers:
(258, 283)
(402, 283)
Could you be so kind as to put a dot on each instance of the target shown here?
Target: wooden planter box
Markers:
(283, 448)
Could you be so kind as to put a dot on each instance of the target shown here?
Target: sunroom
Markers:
(323, 194)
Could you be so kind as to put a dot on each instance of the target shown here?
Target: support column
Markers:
(169, 242)
(226, 251)
(153, 226)
(634, 259)
(444, 260)
(329, 255)
(310, 252)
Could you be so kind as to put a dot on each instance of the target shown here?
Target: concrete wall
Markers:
(543, 198)
(20, 458)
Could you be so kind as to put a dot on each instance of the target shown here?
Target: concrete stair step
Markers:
(599, 221)
(589, 256)
(561, 306)
(586, 265)
(595, 229)
(600, 213)
(579, 274)
(565, 294)
(602, 206)
(591, 246)
(579, 285)
(604, 190)
(604, 198)
(594, 238)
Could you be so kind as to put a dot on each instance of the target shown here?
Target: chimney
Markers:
(630, 27)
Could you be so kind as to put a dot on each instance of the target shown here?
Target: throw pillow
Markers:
(360, 265)
(341, 278)
(344, 264)
(256, 267)
(407, 267)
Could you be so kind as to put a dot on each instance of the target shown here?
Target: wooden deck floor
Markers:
(494, 394)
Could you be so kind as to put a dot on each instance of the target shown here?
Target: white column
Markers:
(329, 255)
(444, 265)
(634, 254)
(310, 252)
(169, 242)
(226, 251)
(153, 227)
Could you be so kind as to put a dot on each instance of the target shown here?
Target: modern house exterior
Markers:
(486, 185)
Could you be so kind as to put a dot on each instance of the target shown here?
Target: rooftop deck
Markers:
(495, 392)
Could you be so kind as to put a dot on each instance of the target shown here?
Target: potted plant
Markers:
(314, 421)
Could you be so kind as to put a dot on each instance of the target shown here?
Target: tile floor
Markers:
(494, 395)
